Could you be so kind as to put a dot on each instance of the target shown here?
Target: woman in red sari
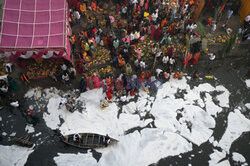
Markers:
(158, 33)
(152, 31)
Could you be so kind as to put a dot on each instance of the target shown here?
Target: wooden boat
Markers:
(88, 140)
(23, 141)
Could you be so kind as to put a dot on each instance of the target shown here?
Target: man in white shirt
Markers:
(154, 50)
(131, 37)
(72, 72)
(76, 138)
(142, 65)
(154, 16)
(165, 59)
(171, 62)
(65, 77)
(77, 15)
(134, 2)
(137, 35)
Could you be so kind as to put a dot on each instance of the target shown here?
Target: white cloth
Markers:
(158, 54)
(158, 72)
(123, 98)
(14, 104)
(10, 67)
(63, 101)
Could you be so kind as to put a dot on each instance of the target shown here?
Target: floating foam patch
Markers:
(248, 83)
(178, 121)
(14, 155)
(237, 124)
(29, 128)
(75, 159)
(238, 157)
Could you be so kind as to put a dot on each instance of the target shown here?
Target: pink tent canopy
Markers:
(34, 25)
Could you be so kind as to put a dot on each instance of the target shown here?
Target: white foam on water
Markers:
(78, 122)
(238, 157)
(247, 105)
(237, 124)
(165, 110)
(211, 139)
(215, 157)
(52, 118)
(215, 143)
(142, 106)
(224, 97)
(136, 148)
(223, 163)
(247, 83)
(30, 93)
(145, 148)
(171, 137)
(38, 134)
(13, 134)
(29, 128)
(211, 108)
(169, 88)
(14, 155)
(4, 133)
(79, 159)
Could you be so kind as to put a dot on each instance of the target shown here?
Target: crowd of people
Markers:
(132, 22)
(142, 39)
